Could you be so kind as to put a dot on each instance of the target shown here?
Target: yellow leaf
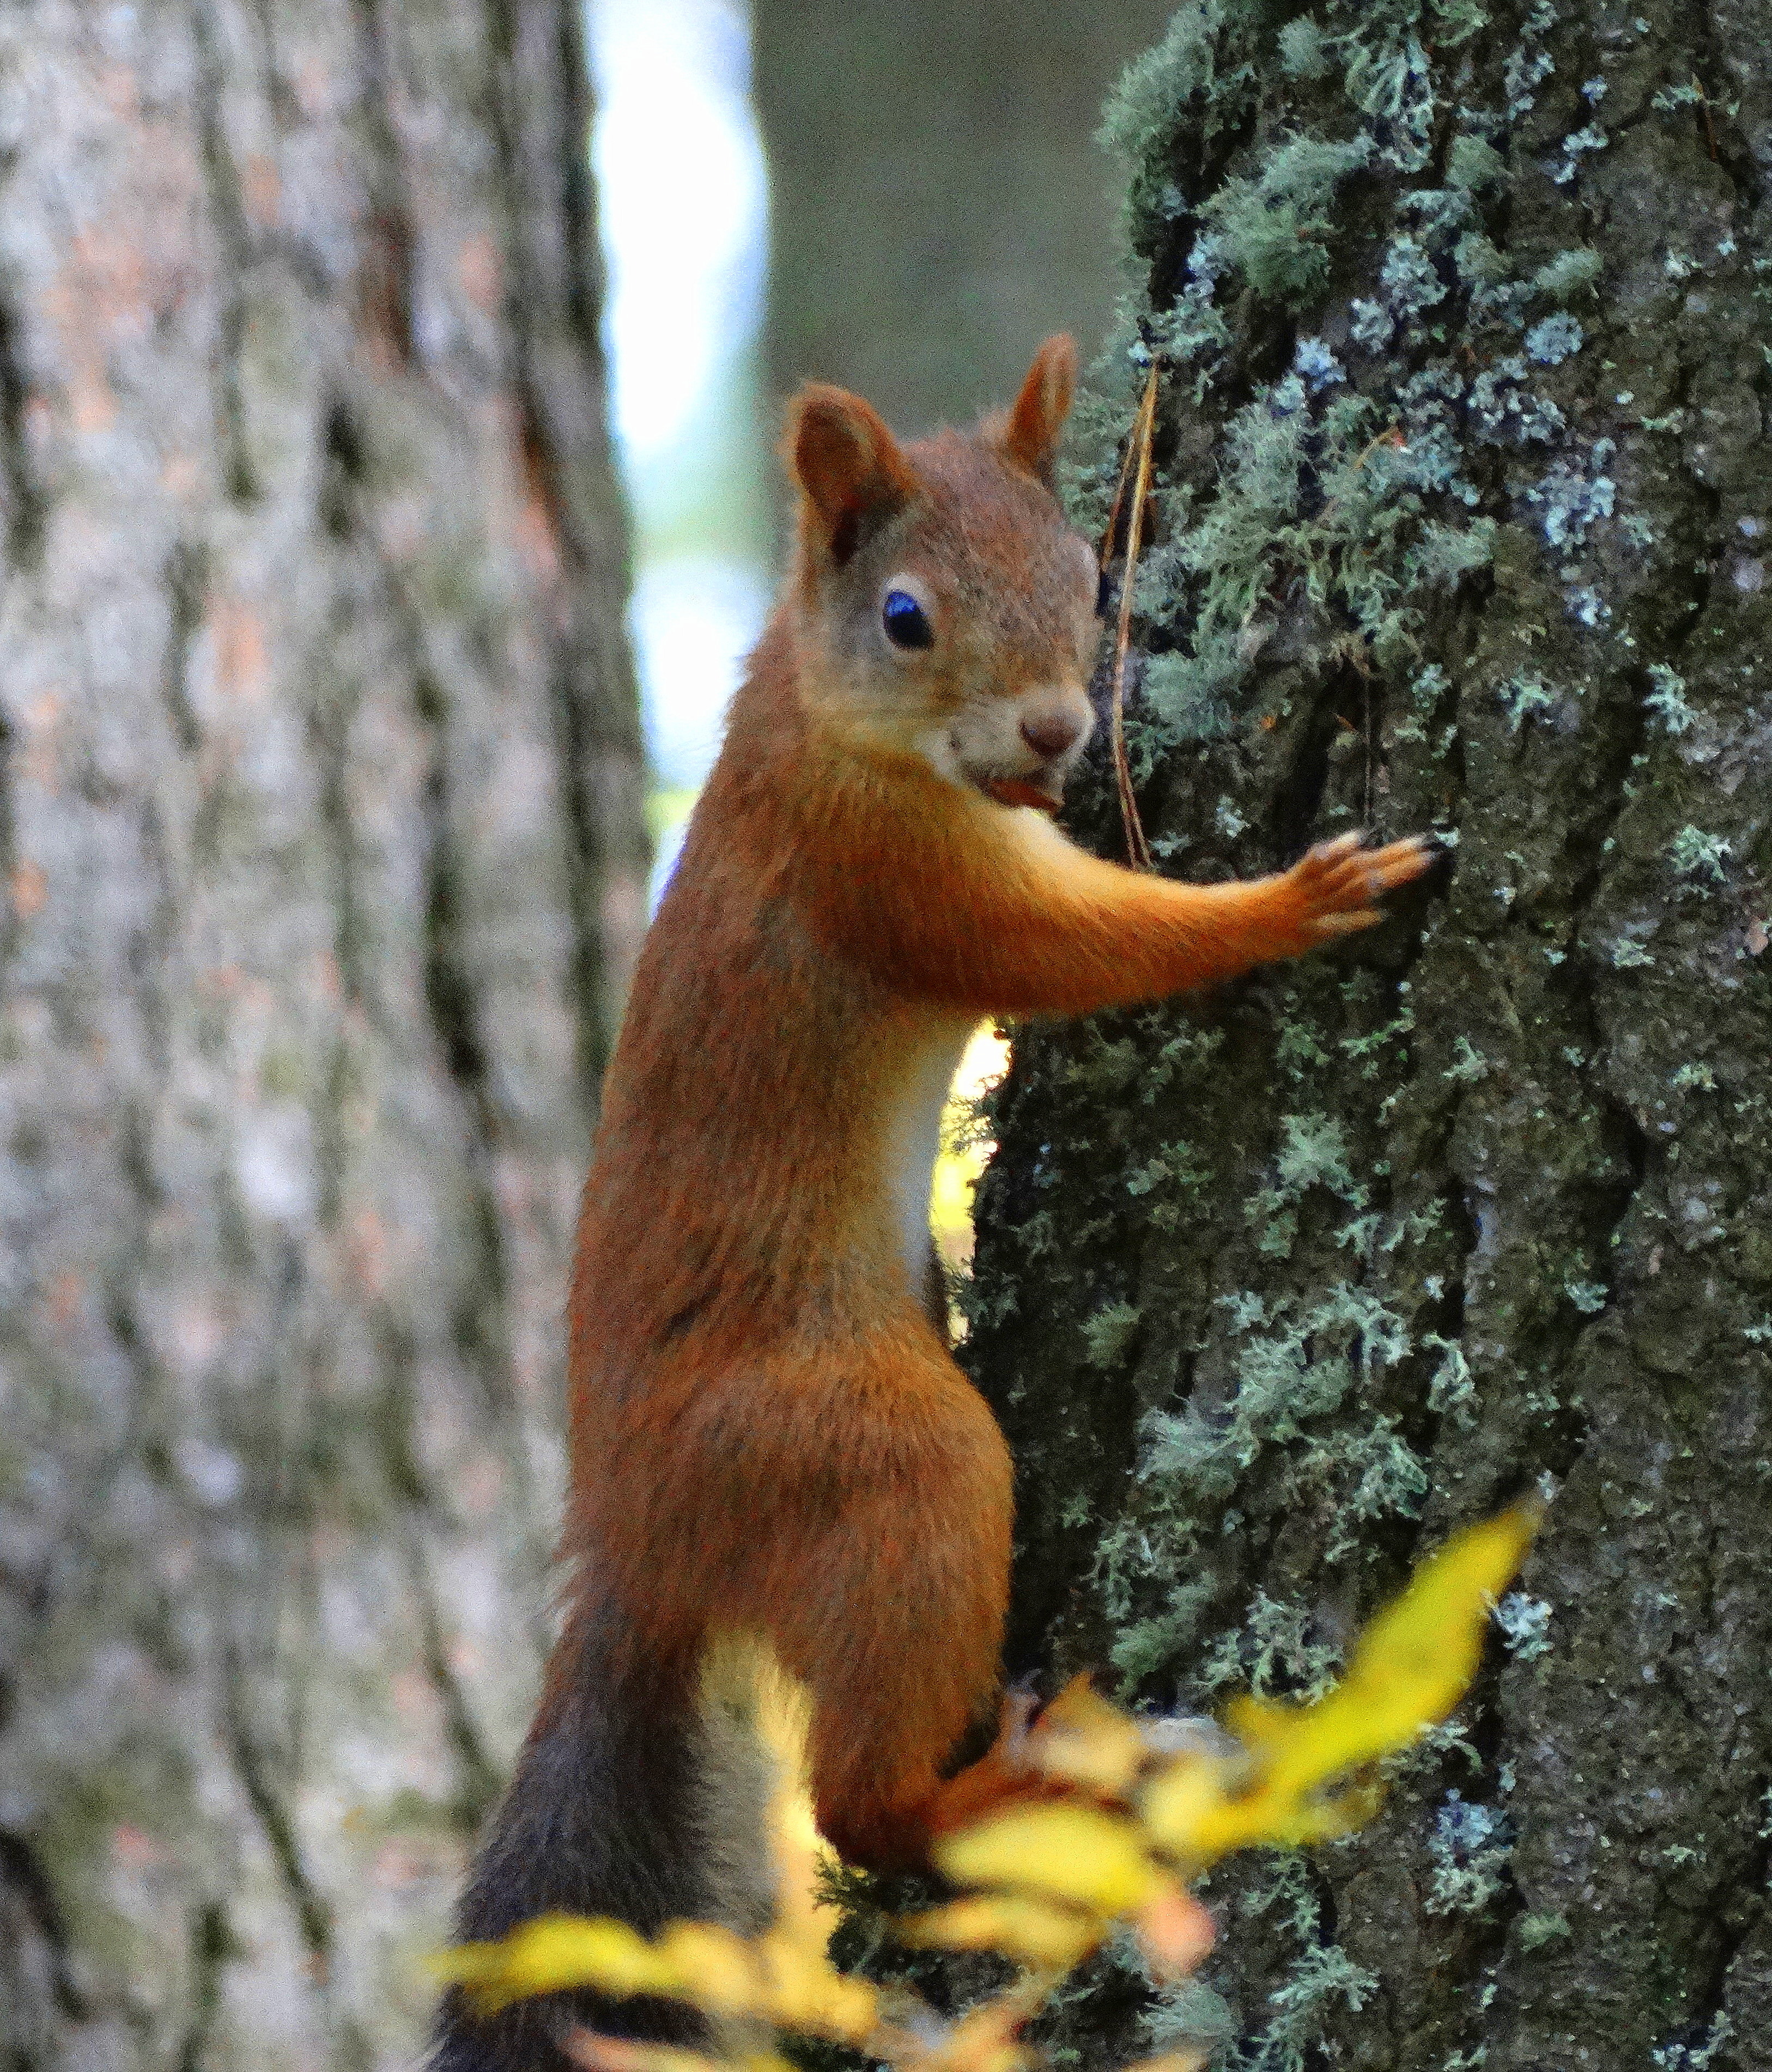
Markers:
(1031, 1932)
(1412, 1665)
(805, 1992)
(1224, 1812)
(711, 1966)
(1063, 1850)
(1083, 1739)
(557, 1951)
(1410, 1668)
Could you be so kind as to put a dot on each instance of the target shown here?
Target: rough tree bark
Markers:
(320, 814)
(1462, 520)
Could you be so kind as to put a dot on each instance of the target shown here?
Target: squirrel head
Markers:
(942, 608)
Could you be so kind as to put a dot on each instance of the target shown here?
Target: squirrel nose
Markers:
(1050, 730)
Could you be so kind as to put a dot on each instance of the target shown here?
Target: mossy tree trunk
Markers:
(1463, 520)
(321, 844)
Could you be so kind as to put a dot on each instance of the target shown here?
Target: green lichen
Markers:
(1191, 2015)
(1391, 80)
(1468, 1847)
(1196, 81)
(1323, 1976)
(1698, 2055)
(1451, 1392)
(1666, 699)
(1521, 696)
(1474, 163)
(1107, 1334)
(1534, 1930)
(1189, 695)
(1314, 1153)
(1274, 1650)
(1304, 49)
(1456, 21)
(1695, 854)
(1569, 274)
(1273, 226)
(1300, 1367)
(1468, 1065)
(1444, 554)
(1525, 1623)
(1383, 1475)
(1146, 1645)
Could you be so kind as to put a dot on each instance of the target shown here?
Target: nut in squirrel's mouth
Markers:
(1045, 796)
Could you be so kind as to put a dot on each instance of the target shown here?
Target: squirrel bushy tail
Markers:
(623, 1804)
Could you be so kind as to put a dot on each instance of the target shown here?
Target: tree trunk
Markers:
(1462, 520)
(320, 814)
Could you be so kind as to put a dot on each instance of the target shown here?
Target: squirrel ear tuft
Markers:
(1035, 423)
(849, 467)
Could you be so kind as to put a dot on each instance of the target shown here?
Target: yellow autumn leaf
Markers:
(806, 1993)
(1219, 1805)
(555, 1952)
(778, 1980)
(1411, 1667)
(1063, 1850)
(1033, 1932)
(714, 1967)
(1083, 1740)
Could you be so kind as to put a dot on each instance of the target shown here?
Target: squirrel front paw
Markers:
(1332, 888)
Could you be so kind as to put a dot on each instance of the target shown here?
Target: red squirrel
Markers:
(770, 1439)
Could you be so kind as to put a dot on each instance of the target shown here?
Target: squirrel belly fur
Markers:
(769, 1438)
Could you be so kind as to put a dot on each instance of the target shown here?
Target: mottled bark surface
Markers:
(1463, 520)
(319, 830)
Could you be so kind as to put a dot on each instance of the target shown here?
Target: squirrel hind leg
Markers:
(992, 1768)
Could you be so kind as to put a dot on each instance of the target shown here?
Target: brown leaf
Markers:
(1175, 1933)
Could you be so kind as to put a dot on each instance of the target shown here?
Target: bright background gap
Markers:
(684, 194)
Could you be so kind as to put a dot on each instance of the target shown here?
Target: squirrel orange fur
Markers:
(769, 1436)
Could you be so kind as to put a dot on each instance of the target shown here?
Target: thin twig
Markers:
(1136, 467)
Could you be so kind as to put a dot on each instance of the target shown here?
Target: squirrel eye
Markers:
(1104, 590)
(905, 624)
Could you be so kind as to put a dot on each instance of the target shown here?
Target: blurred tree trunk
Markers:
(1462, 520)
(320, 816)
(938, 201)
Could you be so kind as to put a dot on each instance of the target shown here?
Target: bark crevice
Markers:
(234, 240)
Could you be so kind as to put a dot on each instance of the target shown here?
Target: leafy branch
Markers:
(1123, 1815)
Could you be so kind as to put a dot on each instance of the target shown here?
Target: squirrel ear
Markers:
(1035, 423)
(849, 466)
